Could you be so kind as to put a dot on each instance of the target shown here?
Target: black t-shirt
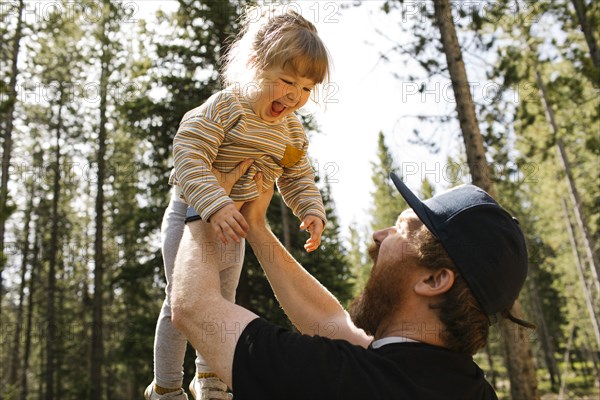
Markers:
(272, 363)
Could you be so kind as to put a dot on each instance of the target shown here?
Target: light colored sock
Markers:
(162, 390)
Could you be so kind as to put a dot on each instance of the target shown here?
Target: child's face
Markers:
(281, 93)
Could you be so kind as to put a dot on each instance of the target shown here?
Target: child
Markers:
(269, 72)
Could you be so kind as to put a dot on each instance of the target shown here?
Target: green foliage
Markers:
(427, 190)
(358, 258)
(387, 202)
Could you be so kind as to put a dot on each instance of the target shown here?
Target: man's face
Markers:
(393, 256)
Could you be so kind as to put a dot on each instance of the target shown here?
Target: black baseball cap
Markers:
(484, 241)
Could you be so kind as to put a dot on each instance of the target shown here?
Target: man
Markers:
(442, 273)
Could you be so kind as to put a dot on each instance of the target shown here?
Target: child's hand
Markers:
(229, 221)
(314, 225)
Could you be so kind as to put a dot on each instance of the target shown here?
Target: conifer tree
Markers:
(387, 202)
(9, 53)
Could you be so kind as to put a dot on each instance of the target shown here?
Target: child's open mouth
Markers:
(277, 108)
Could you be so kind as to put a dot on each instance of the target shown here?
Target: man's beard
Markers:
(381, 296)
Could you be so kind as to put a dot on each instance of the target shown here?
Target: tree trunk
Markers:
(491, 373)
(7, 143)
(586, 291)
(16, 355)
(582, 223)
(566, 357)
(60, 344)
(518, 355)
(285, 225)
(40, 387)
(462, 93)
(519, 358)
(98, 306)
(587, 29)
(546, 340)
(593, 357)
(51, 290)
(97, 353)
(35, 265)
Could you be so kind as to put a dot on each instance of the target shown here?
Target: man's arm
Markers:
(308, 304)
(212, 324)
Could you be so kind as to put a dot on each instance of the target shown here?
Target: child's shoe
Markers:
(209, 387)
(150, 394)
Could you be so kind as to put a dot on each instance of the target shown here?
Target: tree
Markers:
(7, 110)
(357, 257)
(587, 25)
(387, 202)
(519, 357)
(545, 91)
(106, 59)
(60, 67)
(427, 189)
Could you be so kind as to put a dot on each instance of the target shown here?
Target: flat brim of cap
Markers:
(414, 202)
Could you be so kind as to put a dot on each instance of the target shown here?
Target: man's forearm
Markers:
(211, 323)
(308, 304)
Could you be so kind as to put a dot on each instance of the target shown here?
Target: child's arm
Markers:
(195, 148)
(300, 192)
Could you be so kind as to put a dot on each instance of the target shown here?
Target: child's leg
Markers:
(230, 258)
(169, 343)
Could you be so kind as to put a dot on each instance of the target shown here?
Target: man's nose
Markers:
(381, 234)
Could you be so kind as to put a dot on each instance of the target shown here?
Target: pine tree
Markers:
(357, 257)
(7, 114)
(387, 202)
(427, 189)
(519, 358)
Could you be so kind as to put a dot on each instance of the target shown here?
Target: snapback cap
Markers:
(483, 240)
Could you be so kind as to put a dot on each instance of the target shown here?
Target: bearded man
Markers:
(446, 270)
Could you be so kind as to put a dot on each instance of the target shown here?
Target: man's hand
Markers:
(227, 180)
(228, 220)
(314, 225)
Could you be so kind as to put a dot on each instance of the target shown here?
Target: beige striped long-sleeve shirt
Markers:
(224, 131)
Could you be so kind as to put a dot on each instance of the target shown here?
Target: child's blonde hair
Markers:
(275, 38)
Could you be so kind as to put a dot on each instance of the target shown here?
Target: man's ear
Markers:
(434, 283)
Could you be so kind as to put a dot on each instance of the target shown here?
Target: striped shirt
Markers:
(224, 131)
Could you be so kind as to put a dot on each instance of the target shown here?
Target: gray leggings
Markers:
(169, 343)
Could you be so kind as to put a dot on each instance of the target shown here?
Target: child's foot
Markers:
(209, 387)
(150, 394)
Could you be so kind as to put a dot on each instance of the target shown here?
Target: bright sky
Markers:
(367, 99)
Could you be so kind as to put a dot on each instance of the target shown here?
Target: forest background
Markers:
(504, 94)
